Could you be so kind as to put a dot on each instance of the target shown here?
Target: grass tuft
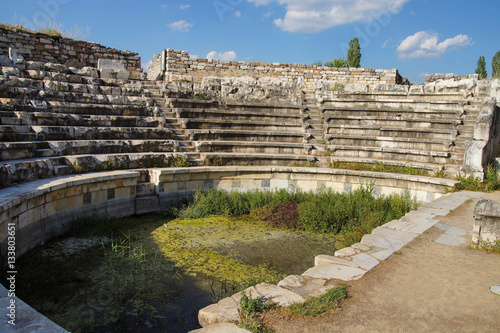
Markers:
(316, 306)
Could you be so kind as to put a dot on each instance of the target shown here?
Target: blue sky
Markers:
(417, 37)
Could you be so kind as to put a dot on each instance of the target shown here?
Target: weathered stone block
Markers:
(486, 222)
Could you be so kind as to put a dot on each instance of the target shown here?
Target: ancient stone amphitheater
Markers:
(84, 131)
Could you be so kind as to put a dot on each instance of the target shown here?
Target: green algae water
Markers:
(153, 274)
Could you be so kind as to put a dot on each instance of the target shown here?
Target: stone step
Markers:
(417, 133)
(18, 150)
(245, 135)
(197, 123)
(381, 113)
(390, 142)
(64, 119)
(430, 167)
(421, 156)
(262, 159)
(253, 147)
(51, 133)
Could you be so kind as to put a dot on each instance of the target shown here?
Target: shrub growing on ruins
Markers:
(481, 68)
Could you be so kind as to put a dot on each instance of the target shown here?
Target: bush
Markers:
(284, 216)
(351, 215)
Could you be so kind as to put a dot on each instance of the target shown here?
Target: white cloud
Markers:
(386, 43)
(237, 14)
(229, 55)
(268, 14)
(184, 6)
(425, 45)
(181, 26)
(315, 16)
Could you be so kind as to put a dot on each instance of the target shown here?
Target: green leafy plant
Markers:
(249, 313)
(319, 305)
(470, 183)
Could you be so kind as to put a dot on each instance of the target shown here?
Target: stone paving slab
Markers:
(451, 240)
(334, 271)
(382, 255)
(416, 225)
(365, 261)
(326, 259)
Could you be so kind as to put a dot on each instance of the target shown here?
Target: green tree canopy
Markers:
(495, 64)
(354, 53)
(481, 68)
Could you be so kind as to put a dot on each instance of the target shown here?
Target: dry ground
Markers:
(430, 287)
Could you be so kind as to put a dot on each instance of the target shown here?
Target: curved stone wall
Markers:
(44, 209)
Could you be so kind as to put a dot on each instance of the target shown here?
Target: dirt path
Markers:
(430, 287)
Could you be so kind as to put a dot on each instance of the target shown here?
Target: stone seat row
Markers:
(67, 119)
(50, 133)
(46, 95)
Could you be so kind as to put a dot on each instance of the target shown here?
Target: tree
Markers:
(340, 62)
(481, 68)
(495, 64)
(354, 53)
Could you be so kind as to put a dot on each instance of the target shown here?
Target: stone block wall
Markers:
(45, 48)
(179, 63)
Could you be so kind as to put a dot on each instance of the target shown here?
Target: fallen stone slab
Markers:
(274, 294)
(456, 231)
(413, 225)
(383, 242)
(382, 255)
(221, 328)
(225, 311)
(365, 261)
(346, 252)
(326, 259)
(451, 240)
(334, 271)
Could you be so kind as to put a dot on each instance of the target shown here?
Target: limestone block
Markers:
(274, 294)
(365, 261)
(346, 252)
(326, 259)
(225, 311)
(292, 281)
(486, 221)
(334, 271)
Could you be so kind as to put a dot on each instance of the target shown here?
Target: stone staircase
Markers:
(315, 127)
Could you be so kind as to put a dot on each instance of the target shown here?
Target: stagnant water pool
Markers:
(153, 274)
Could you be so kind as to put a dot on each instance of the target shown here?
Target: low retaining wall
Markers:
(44, 209)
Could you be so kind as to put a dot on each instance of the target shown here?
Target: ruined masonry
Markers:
(84, 131)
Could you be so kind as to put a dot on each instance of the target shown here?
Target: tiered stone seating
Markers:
(394, 128)
(250, 133)
(56, 118)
